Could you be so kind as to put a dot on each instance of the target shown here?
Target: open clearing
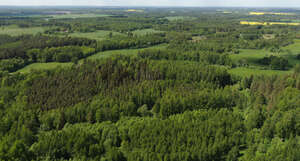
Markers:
(250, 55)
(269, 23)
(106, 54)
(134, 10)
(294, 47)
(176, 18)
(43, 66)
(100, 55)
(271, 13)
(67, 16)
(245, 72)
(146, 31)
(253, 55)
(16, 31)
(97, 35)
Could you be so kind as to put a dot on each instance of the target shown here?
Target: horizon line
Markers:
(149, 6)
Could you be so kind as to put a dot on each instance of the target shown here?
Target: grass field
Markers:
(269, 23)
(253, 55)
(100, 55)
(106, 54)
(16, 31)
(271, 13)
(146, 31)
(250, 55)
(244, 72)
(176, 18)
(65, 16)
(290, 20)
(134, 10)
(98, 35)
(43, 66)
(295, 48)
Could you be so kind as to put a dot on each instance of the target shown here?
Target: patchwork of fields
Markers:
(250, 56)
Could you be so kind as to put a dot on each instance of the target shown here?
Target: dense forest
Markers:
(149, 85)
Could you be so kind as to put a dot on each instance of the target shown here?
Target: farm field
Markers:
(97, 35)
(246, 72)
(251, 55)
(177, 18)
(106, 54)
(291, 20)
(271, 13)
(73, 16)
(295, 47)
(43, 66)
(16, 31)
(146, 31)
(269, 23)
(100, 55)
(134, 10)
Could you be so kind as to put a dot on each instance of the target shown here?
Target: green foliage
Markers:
(174, 101)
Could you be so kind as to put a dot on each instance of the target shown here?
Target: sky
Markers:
(194, 3)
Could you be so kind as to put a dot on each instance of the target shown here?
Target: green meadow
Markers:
(252, 56)
(295, 47)
(106, 54)
(43, 66)
(177, 18)
(100, 55)
(16, 31)
(146, 31)
(245, 72)
(97, 35)
(67, 16)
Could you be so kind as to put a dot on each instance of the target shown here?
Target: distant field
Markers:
(269, 23)
(176, 18)
(43, 66)
(100, 55)
(134, 10)
(294, 47)
(64, 16)
(251, 55)
(98, 35)
(271, 13)
(16, 31)
(146, 31)
(243, 72)
(290, 20)
(106, 54)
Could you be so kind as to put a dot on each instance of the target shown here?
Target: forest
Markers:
(149, 84)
